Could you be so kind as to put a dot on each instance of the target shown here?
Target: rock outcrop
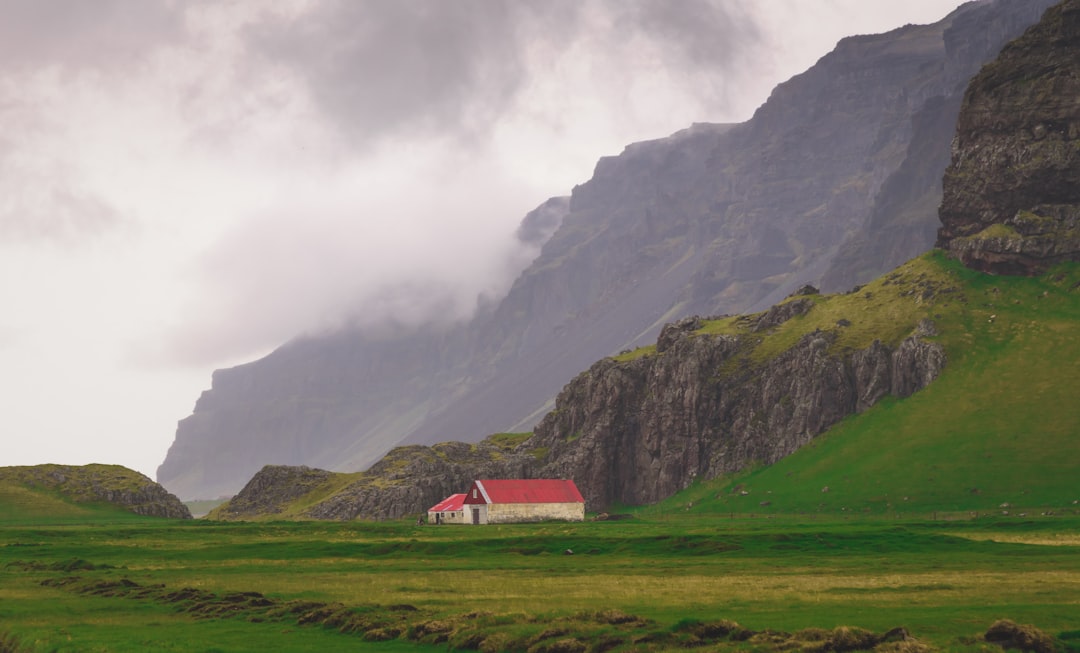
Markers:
(271, 491)
(406, 481)
(1012, 192)
(412, 478)
(638, 431)
(713, 219)
(101, 484)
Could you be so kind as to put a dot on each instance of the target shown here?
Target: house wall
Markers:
(481, 507)
(507, 513)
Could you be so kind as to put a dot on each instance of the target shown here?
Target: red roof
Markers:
(451, 503)
(537, 490)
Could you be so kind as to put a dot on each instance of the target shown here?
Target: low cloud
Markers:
(403, 251)
(41, 199)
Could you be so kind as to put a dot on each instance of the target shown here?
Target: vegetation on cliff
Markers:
(995, 433)
(724, 395)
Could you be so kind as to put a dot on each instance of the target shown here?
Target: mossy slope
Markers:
(999, 430)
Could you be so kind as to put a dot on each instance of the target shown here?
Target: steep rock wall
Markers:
(1012, 191)
(638, 431)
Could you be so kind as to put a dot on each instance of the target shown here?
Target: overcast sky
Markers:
(187, 185)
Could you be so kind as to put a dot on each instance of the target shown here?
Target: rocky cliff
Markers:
(704, 404)
(714, 219)
(100, 484)
(1012, 191)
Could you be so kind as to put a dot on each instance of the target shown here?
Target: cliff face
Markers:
(1012, 192)
(714, 219)
(636, 432)
(903, 221)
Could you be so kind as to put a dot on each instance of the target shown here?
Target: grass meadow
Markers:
(105, 581)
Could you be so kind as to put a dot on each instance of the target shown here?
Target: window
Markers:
(474, 493)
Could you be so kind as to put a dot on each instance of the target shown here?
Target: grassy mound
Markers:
(45, 492)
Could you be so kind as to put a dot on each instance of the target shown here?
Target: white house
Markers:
(503, 501)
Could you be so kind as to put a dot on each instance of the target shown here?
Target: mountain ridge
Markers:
(715, 219)
(719, 396)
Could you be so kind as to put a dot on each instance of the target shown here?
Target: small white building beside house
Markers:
(450, 510)
(506, 501)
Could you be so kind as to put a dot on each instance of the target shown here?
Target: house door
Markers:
(476, 515)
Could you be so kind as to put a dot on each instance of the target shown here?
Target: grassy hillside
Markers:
(19, 502)
(77, 491)
(1001, 425)
(54, 492)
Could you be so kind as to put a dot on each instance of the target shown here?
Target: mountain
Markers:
(720, 396)
(63, 489)
(834, 180)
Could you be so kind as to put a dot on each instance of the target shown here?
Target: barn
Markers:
(505, 501)
(450, 510)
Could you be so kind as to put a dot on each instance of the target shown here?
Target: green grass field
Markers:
(112, 582)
